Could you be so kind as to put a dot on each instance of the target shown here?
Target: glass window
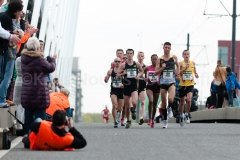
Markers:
(223, 55)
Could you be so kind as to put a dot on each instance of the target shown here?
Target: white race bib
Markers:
(167, 75)
(116, 83)
(152, 77)
(131, 73)
(187, 76)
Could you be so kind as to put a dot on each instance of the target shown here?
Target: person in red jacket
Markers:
(46, 135)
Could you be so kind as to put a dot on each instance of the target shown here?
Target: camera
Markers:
(66, 121)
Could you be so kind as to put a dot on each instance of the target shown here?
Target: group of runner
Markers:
(132, 80)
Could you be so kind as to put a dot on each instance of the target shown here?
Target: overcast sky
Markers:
(107, 25)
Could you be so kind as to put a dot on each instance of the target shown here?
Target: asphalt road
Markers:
(213, 141)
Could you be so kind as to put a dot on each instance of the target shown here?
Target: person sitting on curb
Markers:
(46, 135)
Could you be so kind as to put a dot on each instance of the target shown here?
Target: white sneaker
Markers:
(169, 110)
(118, 117)
(187, 119)
(165, 124)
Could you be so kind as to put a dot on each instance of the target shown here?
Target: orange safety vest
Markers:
(57, 101)
(46, 139)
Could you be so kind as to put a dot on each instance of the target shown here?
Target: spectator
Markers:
(209, 103)
(213, 91)
(22, 21)
(56, 87)
(195, 94)
(3, 32)
(220, 74)
(35, 95)
(17, 92)
(56, 137)
(231, 85)
(6, 59)
(59, 101)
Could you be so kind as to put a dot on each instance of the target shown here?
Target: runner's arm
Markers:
(145, 69)
(158, 69)
(140, 69)
(107, 76)
(181, 69)
(195, 70)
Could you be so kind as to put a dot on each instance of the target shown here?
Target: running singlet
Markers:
(152, 79)
(187, 78)
(116, 83)
(105, 113)
(132, 72)
(168, 74)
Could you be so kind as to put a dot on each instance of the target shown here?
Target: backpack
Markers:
(5, 141)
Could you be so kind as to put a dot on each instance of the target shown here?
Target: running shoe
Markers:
(149, 122)
(187, 119)
(122, 122)
(141, 121)
(181, 120)
(134, 115)
(115, 125)
(128, 124)
(152, 124)
(165, 124)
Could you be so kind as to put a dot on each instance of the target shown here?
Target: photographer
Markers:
(56, 87)
(46, 135)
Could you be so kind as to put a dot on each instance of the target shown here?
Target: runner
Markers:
(142, 88)
(153, 90)
(105, 114)
(130, 71)
(187, 72)
(123, 120)
(116, 93)
(166, 68)
(119, 54)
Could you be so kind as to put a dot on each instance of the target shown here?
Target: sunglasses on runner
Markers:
(117, 61)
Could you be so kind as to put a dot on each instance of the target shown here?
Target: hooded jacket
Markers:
(35, 94)
(231, 82)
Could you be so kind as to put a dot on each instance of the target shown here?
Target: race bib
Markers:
(131, 73)
(187, 76)
(152, 77)
(167, 74)
(116, 83)
(105, 115)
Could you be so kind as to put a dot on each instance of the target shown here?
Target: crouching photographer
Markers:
(47, 135)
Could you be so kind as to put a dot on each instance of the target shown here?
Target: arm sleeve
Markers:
(48, 66)
(3, 33)
(78, 141)
(237, 84)
(23, 40)
(232, 81)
